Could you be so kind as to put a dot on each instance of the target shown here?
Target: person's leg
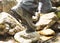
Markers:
(47, 6)
(25, 9)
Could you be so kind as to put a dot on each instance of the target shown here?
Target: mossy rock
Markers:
(58, 14)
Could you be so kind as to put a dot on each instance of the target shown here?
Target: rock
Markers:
(24, 37)
(44, 38)
(14, 30)
(55, 2)
(46, 32)
(58, 12)
(8, 41)
(11, 31)
(56, 26)
(46, 20)
(58, 8)
(1, 42)
(1, 6)
(8, 24)
(54, 39)
(3, 29)
(8, 4)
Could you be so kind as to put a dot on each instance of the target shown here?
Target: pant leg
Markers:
(46, 6)
(25, 9)
(30, 5)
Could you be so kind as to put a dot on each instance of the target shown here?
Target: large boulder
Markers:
(8, 24)
(24, 37)
(46, 20)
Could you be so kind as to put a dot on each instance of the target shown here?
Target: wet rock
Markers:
(24, 37)
(46, 32)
